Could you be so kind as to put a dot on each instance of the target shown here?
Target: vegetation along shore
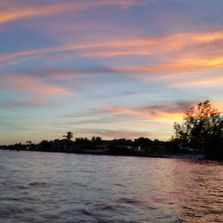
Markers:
(200, 135)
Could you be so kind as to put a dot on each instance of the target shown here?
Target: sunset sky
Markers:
(109, 68)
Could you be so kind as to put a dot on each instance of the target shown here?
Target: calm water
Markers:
(53, 187)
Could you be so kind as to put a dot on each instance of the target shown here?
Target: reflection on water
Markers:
(52, 187)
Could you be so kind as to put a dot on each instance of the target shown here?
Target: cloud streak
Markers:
(200, 83)
(186, 52)
(163, 112)
(32, 85)
(31, 103)
(127, 46)
(24, 12)
(111, 134)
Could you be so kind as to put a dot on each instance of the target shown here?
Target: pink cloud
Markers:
(17, 11)
(182, 50)
(159, 113)
(172, 111)
(182, 53)
(199, 83)
(33, 85)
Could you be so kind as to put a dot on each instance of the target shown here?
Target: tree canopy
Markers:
(201, 129)
(69, 135)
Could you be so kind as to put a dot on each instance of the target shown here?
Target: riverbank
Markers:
(173, 155)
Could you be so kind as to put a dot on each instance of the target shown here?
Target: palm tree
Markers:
(69, 135)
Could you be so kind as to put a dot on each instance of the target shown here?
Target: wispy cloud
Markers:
(168, 111)
(22, 11)
(155, 45)
(31, 103)
(171, 111)
(67, 73)
(207, 82)
(182, 52)
(32, 85)
(111, 134)
(173, 68)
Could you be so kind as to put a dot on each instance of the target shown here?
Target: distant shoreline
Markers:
(189, 156)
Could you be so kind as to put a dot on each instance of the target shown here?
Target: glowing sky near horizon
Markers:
(109, 68)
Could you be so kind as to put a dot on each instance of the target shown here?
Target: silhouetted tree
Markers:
(69, 135)
(29, 144)
(45, 145)
(96, 140)
(202, 129)
(18, 146)
(121, 146)
(143, 143)
(84, 143)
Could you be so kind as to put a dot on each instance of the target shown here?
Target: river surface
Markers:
(67, 188)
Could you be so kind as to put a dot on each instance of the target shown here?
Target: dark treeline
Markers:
(96, 145)
(201, 132)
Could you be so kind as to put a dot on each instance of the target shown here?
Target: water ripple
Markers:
(53, 187)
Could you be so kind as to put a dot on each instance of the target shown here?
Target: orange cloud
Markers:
(159, 46)
(173, 111)
(29, 12)
(148, 113)
(169, 116)
(32, 84)
(181, 65)
(128, 111)
(183, 53)
(19, 12)
(218, 104)
(204, 82)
